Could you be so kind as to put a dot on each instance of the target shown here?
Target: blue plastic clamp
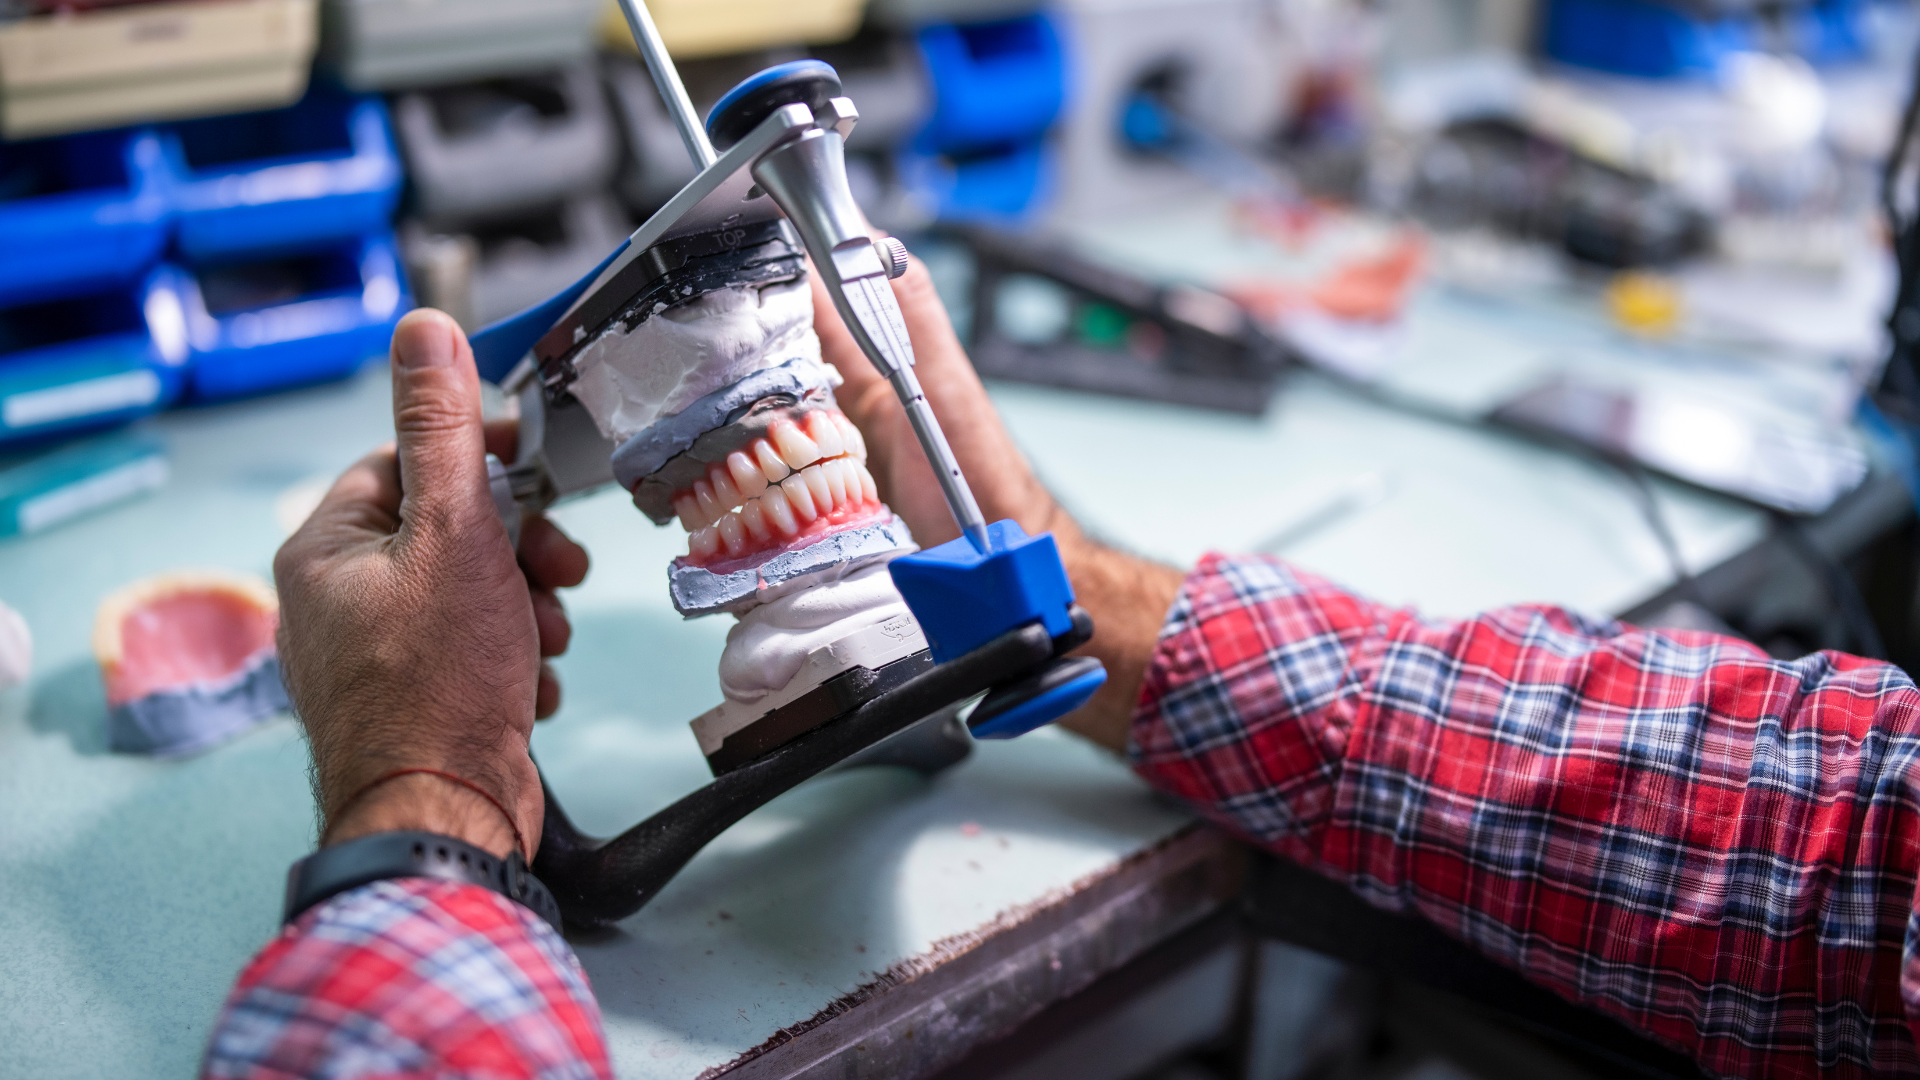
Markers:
(964, 599)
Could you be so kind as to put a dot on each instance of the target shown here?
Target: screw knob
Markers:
(894, 254)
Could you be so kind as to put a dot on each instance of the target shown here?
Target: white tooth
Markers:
(746, 475)
(817, 486)
(723, 489)
(704, 543)
(771, 466)
(710, 507)
(688, 508)
(779, 511)
(799, 497)
(827, 437)
(755, 519)
(856, 443)
(837, 476)
(867, 486)
(734, 535)
(795, 448)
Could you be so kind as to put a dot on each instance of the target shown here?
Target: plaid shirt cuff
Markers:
(413, 977)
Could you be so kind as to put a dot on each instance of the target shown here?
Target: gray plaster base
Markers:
(698, 592)
(168, 723)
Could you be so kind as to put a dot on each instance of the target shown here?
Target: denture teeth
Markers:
(723, 489)
(779, 511)
(710, 507)
(746, 475)
(688, 508)
(856, 443)
(817, 486)
(733, 534)
(799, 497)
(824, 435)
(771, 466)
(795, 448)
(836, 473)
(755, 519)
(868, 488)
(704, 543)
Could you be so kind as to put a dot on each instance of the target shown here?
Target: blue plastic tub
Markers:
(265, 324)
(994, 83)
(88, 362)
(80, 214)
(324, 169)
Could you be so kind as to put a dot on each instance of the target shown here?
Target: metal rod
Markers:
(667, 78)
(946, 468)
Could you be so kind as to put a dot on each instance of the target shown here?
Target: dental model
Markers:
(724, 417)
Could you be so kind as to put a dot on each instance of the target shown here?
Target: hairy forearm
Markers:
(1128, 598)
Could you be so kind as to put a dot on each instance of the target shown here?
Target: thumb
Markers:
(440, 440)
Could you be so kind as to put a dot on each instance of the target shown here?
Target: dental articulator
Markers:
(686, 370)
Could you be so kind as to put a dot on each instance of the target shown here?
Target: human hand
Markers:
(1127, 597)
(410, 637)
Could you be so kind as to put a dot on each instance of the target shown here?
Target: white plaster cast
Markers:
(682, 353)
(767, 647)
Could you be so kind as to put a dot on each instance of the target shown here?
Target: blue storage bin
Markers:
(266, 324)
(1004, 186)
(80, 214)
(324, 169)
(93, 361)
(994, 83)
(1642, 37)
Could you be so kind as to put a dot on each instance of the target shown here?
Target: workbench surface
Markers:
(132, 890)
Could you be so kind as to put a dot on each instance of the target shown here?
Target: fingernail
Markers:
(423, 340)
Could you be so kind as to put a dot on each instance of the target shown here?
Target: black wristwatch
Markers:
(333, 870)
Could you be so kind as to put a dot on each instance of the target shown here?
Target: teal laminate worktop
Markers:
(132, 890)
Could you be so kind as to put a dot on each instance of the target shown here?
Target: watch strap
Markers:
(380, 856)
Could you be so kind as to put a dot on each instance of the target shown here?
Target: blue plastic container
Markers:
(80, 214)
(1642, 37)
(1002, 186)
(266, 324)
(323, 169)
(88, 362)
(994, 84)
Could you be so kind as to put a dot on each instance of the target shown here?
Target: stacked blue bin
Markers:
(200, 261)
(91, 330)
(283, 224)
(998, 87)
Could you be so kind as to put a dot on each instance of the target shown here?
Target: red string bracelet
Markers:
(519, 844)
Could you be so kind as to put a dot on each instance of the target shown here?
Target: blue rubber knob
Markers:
(812, 83)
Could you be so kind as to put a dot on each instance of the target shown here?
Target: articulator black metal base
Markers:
(598, 882)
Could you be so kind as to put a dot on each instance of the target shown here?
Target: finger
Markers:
(503, 439)
(837, 346)
(365, 500)
(551, 558)
(436, 419)
(546, 697)
(556, 633)
(937, 351)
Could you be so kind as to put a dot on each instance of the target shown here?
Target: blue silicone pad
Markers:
(1042, 710)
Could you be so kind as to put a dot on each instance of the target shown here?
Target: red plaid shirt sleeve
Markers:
(1713, 846)
(413, 978)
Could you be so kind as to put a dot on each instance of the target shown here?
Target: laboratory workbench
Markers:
(869, 922)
